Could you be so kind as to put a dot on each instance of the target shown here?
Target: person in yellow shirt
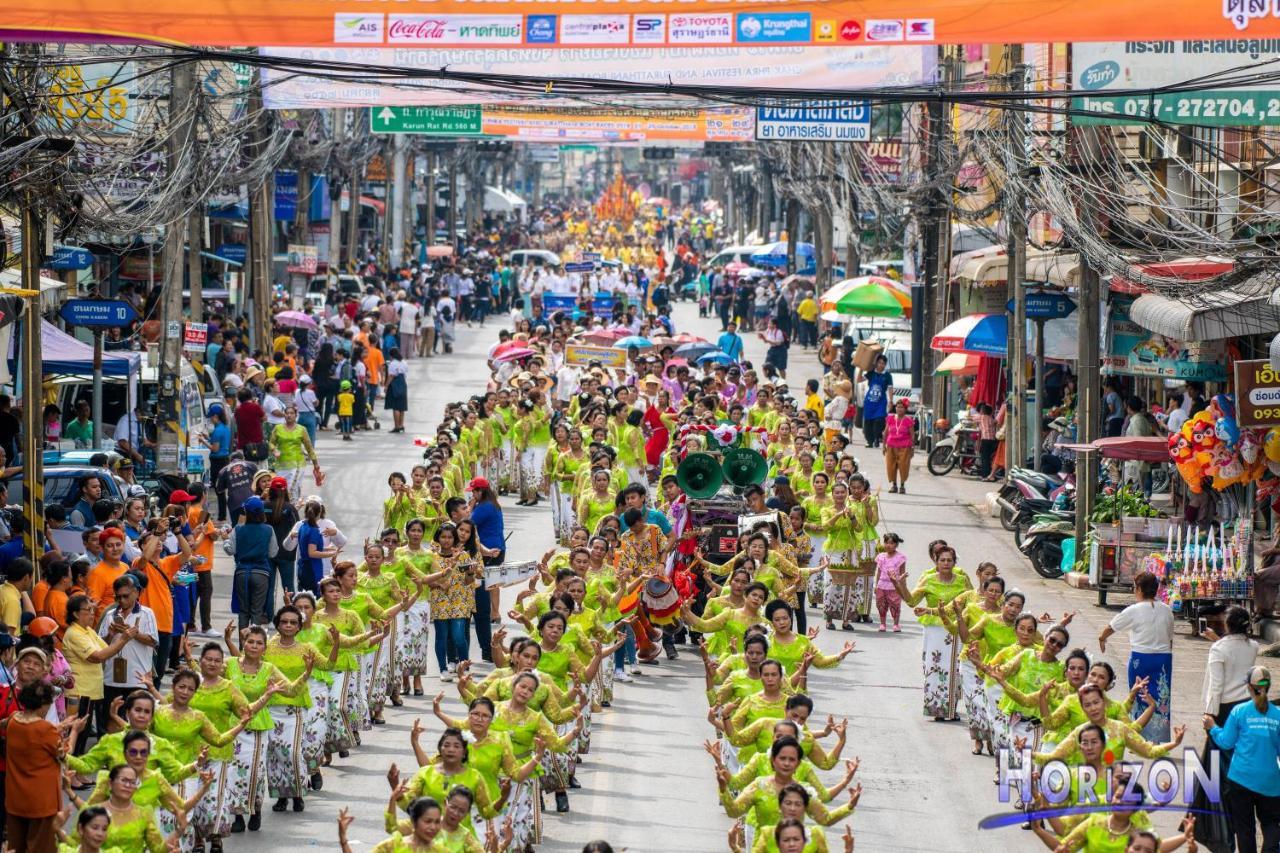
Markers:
(281, 341)
(812, 399)
(13, 594)
(346, 408)
(807, 312)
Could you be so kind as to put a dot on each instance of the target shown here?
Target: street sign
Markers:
(70, 258)
(1257, 394)
(237, 253)
(585, 266)
(823, 121)
(593, 257)
(427, 121)
(97, 313)
(195, 338)
(1042, 305)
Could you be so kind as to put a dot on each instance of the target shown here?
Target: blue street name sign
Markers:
(1045, 306)
(70, 258)
(104, 313)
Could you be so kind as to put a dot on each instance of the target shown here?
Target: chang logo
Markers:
(1100, 75)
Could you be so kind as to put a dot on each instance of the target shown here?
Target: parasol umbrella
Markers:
(716, 357)
(514, 355)
(686, 338)
(296, 320)
(867, 296)
(959, 364)
(439, 251)
(602, 337)
(633, 341)
(977, 334)
(693, 352)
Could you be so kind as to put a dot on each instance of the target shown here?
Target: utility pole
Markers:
(923, 323)
(397, 186)
(335, 199)
(353, 214)
(32, 379)
(195, 245)
(1015, 217)
(170, 439)
(433, 160)
(940, 269)
(1087, 398)
(261, 238)
(453, 198)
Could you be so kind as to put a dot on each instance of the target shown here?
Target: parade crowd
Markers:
(134, 722)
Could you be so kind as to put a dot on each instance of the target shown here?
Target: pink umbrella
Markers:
(296, 320)
(686, 338)
(604, 337)
(514, 355)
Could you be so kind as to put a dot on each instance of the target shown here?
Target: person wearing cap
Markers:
(253, 544)
(159, 571)
(346, 409)
(1252, 792)
(308, 404)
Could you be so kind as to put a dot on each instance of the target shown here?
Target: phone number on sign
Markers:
(1210, 108)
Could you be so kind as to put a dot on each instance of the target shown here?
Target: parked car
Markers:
(62, 485)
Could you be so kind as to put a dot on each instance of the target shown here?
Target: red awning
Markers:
(1136, 448)
(1187, 269)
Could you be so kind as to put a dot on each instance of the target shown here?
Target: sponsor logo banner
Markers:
(617, 125)
(648, 29)
(455, 29)
(540, 29)
(700, 29)
(358, 29)
(880, 30)
(791, 27)
(594, 29)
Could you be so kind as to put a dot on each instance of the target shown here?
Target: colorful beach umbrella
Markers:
(977, 334)
(958, 364)
(633, 341)
(867, 296)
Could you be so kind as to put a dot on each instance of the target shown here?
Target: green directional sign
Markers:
(427, 121)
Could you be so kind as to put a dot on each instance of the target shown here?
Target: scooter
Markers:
(958, 447)
(1025, 493)
(1042, 542)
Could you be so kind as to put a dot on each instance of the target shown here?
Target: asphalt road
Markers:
(647, 784)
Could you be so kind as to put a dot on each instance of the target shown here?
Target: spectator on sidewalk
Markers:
(33, 773)
(1252, 792)
(121, 671)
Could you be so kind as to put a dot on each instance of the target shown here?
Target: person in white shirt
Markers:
(408, 328)
(1150, 626)
(1230, 659)
(567, 378)
(272, 406)
(120, 673)
(129, 436)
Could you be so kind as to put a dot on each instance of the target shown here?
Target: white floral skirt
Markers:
(415, 635)
(212, 815)
(941, 672)
(248, 776)
(287, 749)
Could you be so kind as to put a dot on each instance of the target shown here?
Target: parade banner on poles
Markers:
(812, 67)
(549, 23)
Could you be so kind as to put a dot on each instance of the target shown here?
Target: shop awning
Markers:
(1242, 310)
(1060, 269)
(989, 267)
(984, 267)
(50, 288)
(1187, 269)
(62, 354)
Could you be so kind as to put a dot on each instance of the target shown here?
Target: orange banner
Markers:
(651, 23)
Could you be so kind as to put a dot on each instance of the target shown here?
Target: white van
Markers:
(537, 257)
(729, 254)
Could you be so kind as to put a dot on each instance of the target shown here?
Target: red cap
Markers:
(279, 483)
(178, 496)
(478, 483)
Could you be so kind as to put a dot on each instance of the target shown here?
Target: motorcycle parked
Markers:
(1042, 542)
(958, 447)
(1025, 486)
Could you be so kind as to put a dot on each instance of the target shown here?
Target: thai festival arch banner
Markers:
(777, 67)
(471, 23)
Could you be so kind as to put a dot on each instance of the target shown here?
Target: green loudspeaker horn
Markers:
(744, 467)
(699, 475)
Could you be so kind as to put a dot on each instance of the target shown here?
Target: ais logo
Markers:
(349, 28)
(850, 31)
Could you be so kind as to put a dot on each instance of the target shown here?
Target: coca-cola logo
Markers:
(425, 29)
(850, 30)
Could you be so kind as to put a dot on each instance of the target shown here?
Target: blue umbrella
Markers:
(695, 351)
(716, 357)
(633, 341)
(775, 255)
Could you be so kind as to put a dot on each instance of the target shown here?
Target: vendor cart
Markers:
(1203, 568)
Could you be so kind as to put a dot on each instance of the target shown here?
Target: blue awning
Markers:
(238, 211)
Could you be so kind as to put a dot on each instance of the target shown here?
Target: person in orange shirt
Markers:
(102, 576)
(206, 533)
(374, 363)
(159, 572)
(57, 582)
